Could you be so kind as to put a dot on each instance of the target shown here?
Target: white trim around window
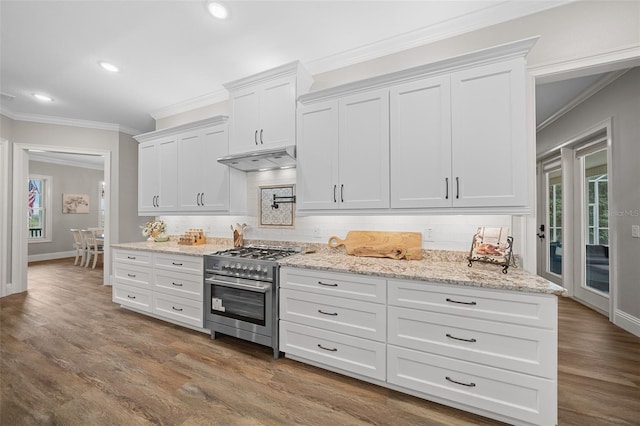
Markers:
(47, 188)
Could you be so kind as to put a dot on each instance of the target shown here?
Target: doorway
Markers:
(574, 234)
(19, 228)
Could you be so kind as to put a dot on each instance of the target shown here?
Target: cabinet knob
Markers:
(261, 141)
(255, 137)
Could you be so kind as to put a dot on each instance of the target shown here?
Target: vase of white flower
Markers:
(153, 228)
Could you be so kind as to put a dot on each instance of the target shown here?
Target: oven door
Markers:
(239, 299)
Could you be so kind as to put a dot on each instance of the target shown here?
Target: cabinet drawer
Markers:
(179, 284)
(360, 319)
(180, 263)
(132, 275)
(519, 396)
(178, 309)
(509, 307)
(132, 296)
(133, 257)
(352, 354)
(360, 287)
(512, 347)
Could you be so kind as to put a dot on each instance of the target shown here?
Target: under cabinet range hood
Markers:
(268, 159)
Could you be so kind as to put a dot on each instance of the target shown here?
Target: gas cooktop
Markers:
(258, 252)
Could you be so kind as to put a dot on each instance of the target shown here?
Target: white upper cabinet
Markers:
(364, 150)
(448, 136)
(178, 171)
(489, 135)
(343, 153)
(459, 140)
(204, 183)
(421, 143)
(158, 175)
(317, 171)
(263, 108)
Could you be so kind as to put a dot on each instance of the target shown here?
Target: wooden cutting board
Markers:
(395, 245)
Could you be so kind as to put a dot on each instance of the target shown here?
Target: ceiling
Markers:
(173, 55)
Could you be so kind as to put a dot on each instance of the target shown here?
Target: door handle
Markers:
(334, 193)
(541, 233)
(457, 187)
(202, 198)
(341, 193)
(255, 137)
(261, 141)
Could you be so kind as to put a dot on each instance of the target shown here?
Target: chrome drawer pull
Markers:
(327, 349)
(176, 309)
(470, 385)
(462, 303)
(458, 338)
(131, 275)
(328, 313)
(177, 284)
(131, 257)
(131, 297)
(328, 284)
(176, 264)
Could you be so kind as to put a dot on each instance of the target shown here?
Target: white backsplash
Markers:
(449, 232)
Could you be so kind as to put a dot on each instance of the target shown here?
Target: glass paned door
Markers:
(596, 221)
(554, 222)
(550, 230)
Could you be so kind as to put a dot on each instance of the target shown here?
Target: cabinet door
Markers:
(215, 176)
(489, 135)
(278, 113)
(421, 144)
(148, 183)
(204, 183)
(364, 150)
(168, 175)
(190, 165)
(317, 151)
(245, 120)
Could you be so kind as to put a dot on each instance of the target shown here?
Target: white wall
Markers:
(621, 102)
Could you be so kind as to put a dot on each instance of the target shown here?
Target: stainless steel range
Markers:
(241, 293)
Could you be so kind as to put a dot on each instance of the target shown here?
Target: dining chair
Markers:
(78, 245)
(93, 247)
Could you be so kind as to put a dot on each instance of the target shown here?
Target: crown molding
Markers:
(200, 124)
(483, 18)
(600, 84)
(62, 121)
(516, 49)
(191, 104)
(42, 157)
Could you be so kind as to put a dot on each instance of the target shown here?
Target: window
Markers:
(38, 208)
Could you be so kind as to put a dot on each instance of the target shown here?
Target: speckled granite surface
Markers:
(173, 247)
(439, 266)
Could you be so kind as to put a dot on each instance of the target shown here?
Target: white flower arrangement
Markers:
(153, 227)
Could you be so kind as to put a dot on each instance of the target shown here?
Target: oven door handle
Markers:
(239, 286)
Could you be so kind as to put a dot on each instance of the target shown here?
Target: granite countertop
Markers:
(173, 247)
(439, 266)
(436, 266)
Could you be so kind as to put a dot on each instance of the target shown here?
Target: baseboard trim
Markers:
(51, 256)
(627, 322)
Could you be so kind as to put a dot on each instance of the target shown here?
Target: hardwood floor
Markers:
(69, 356)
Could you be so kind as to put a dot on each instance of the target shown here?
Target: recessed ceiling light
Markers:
(108, 67)
(43, 98)
(217, 10)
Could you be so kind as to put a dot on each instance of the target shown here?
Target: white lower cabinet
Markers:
(336, 320)
(488, 351)
(168, 286)
(520, 398)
